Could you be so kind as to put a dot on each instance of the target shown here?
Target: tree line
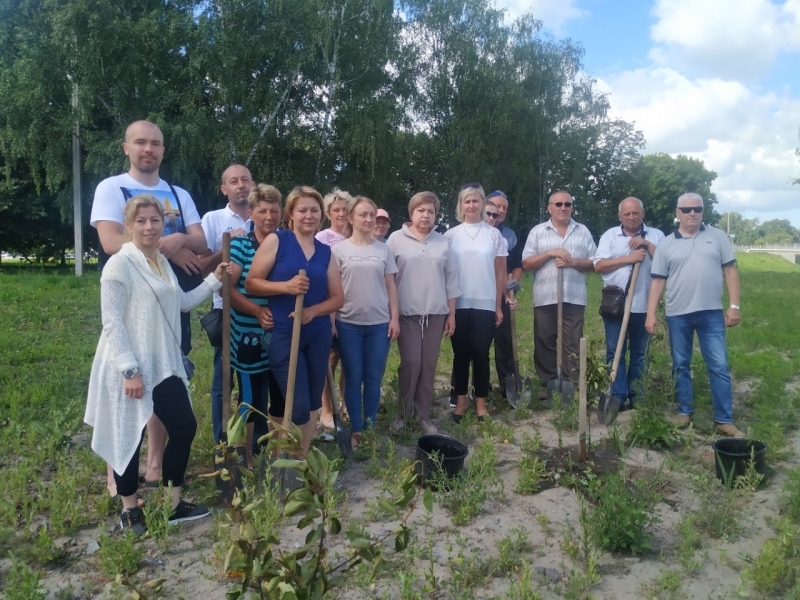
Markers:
(379, 97)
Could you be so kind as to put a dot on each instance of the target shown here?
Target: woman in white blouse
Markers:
(480, 254)
(138, 369)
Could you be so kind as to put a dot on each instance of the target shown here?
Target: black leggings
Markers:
(471, 343)
(171, 405)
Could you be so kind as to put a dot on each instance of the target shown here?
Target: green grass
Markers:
(50, 324)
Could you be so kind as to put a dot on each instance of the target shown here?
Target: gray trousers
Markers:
(545, 330)
(419, 343)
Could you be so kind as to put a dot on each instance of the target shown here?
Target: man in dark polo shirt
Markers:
(691, 263)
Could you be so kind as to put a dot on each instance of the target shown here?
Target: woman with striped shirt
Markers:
(251, 316)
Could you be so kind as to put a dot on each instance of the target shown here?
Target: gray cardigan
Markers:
(427, 276)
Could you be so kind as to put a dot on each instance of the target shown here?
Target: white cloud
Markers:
(554, 13)
(748, 138)
(724, 38)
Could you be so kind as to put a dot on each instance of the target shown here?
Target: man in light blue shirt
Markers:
(620, 248)
(691, 263)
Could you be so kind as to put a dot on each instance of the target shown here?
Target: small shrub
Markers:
(622, 514)
(120, 556)
(689, 541)
(651, 428)
(531, 472)
(790, 498)
(719, 512)
(22, 582)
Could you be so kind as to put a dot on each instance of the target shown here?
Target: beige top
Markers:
(427, 277)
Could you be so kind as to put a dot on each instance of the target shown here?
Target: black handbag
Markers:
(211, 322)
(612, 301)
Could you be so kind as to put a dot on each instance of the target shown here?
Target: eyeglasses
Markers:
(560, 204)
(687, 209)
(474, 184)
(497, 193)
(492, 215)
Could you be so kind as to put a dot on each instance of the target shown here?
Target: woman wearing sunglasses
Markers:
(480, 253)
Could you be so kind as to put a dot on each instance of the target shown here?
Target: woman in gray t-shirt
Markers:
(368, 322)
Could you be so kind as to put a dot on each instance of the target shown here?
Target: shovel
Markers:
(342, 433)
(516, 389)
(229, 458)
(560, 384)
(288, 481)
(607, 406)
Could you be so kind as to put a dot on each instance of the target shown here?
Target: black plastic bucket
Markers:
(733, 454)
(449, 451)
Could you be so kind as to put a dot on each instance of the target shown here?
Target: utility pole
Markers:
(77, 215)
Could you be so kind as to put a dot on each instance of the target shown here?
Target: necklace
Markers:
(472, 237)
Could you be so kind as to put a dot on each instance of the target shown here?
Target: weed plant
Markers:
(523, 588)
(22, 582)
(688, 542)
(120, 555)
(463, 496)
(777, 564)
(622, 513)
(531, 472)
(720, 507)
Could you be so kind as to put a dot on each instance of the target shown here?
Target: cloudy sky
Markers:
(717, 80)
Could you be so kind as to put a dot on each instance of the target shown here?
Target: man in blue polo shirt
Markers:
(691, 262)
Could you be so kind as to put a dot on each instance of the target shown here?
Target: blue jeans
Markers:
(363, 349)
(627, 385)
(710, 328)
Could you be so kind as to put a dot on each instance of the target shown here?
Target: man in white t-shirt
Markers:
(620, 248)
(235, 219)
(182, 241)
(560, 244)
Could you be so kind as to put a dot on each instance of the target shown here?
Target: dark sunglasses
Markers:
(474, 184)
(560, 204)
(687, 209)
(492, 215)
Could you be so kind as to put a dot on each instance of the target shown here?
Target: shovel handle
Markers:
(583, 422)
(560, 333)
(226, 336)
(625, 318)
(334, 393)
(293, 351)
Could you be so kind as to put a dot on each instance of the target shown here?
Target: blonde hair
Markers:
(301, 191)
(359, 200)
(264, 193)
(132, 209)
(467, 192)
(335, 196)
(423, 198)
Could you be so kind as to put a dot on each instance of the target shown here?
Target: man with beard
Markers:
(182, 241)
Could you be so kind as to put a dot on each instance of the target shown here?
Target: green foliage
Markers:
(790, 498)
(22, 582)
(120, 555)
(688, 542)
(720, 510)
(531, 472)
(253, 556)
(776, 566)
(652, 429)
(463, 496)
(622, 514)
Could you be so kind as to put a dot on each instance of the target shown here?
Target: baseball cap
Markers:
(382, 214)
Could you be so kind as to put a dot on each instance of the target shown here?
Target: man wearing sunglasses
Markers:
(620, 248)
(691, 263)
(560, 243)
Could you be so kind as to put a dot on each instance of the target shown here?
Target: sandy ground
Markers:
(189, 571)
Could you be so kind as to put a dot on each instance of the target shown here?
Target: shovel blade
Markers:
(567, 393)
(512, 393)
(552, 389)
(343, 436)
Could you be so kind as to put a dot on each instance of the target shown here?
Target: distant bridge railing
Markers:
(768, 248)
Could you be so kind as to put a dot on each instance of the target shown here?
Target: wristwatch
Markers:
(736, 306)
(130, 373)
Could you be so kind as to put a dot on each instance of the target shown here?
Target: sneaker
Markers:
(428, 428)
(683, 421)
(728, 430)
(453, 398)
(133, 520)
(186, 511)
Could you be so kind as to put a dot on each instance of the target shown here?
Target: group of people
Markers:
(361, 291)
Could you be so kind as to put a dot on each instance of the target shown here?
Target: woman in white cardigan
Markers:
(138, 368)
